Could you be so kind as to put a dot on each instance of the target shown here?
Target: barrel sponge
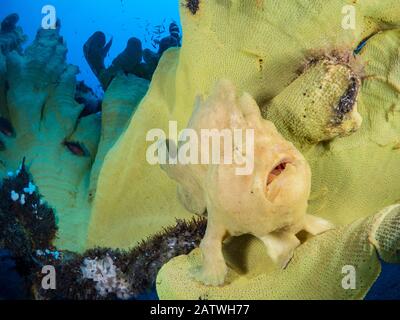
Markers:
(261, 46)
(40, 121)
(317, 271)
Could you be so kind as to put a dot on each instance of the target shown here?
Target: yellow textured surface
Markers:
(314, 273)
(259, 46)
(343, 168)
(133, 199)
(260, 52)
(304, 111)
(120, 102)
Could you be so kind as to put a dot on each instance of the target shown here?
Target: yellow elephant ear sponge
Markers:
(259, 46)
(339, 264)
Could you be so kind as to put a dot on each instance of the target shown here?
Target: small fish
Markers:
(362, 44)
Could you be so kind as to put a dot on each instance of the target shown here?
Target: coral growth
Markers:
(193, 6)
(21, 204)
(115, 274)
(27, 231)
(107, 276)
(27, 224)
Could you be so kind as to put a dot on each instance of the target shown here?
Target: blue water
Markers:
(387, 287)
(120, 19)
(11, 284)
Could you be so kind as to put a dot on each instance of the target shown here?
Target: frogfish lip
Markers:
(277, 170)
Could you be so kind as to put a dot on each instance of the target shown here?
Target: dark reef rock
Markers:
(28, 228)
(12, 285)
(26, 223)
(124, 274)
(6, 127)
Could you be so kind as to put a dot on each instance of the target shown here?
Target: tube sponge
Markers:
(128, 61)
(320, 104)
